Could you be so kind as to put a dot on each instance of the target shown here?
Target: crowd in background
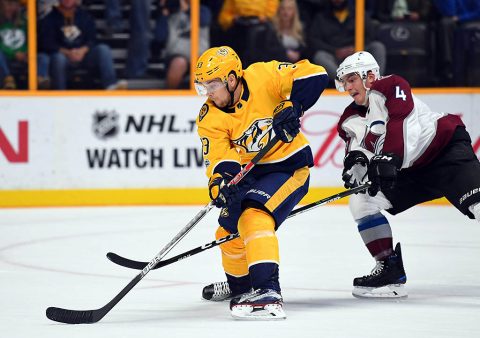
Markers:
(77, 41)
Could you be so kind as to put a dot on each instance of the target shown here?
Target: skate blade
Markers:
(268, 312)
(393, 291)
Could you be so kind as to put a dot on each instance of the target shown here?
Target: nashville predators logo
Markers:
(203, 112)
(256, 136)
(224, 212)
(222, 51)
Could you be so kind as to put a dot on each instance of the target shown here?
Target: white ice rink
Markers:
(56, 257)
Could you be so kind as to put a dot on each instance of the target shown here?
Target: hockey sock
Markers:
(376, 234)
(234, 263)
(257, 229)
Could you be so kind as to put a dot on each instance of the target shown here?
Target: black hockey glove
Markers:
(286, 120)
(224, 195)
(382, 172)
(354, 169)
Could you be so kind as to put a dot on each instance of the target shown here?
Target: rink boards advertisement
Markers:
(146, 148)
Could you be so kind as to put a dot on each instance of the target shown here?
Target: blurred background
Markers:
(147, 44)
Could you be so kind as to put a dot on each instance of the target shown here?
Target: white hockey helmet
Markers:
(360, 63)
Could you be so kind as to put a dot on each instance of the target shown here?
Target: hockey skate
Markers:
(217, 292)
(260, 304)
(386, 280)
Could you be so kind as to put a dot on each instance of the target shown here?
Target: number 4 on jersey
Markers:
(400, 94)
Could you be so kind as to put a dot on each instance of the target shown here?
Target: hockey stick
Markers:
(138, 265)
(93, 316)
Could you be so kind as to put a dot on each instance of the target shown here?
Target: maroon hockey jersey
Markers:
(396, 121)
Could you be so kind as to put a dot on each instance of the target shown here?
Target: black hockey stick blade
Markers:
(129, 263)
(139, 265)
(72, 316)
(90, 316)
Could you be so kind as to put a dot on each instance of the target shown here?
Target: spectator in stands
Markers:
(140, 38)
(290, 30)
(217, 37)
(43, 67)
(178, 43)
(160, 32)
(332, 37)
(13, 40)
(113, 16)
(249, 29)
(458, 18)
(307, 10)
(44, 7)
(140, 31)
(401, 10)
(141, 44)
(69, 37)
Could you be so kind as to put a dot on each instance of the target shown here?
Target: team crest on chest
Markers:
(256, 136)
(374, 137)
(71, 32)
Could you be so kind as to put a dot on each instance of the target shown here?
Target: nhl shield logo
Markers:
(105, 124)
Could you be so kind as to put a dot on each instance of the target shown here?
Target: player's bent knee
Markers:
(257, 229)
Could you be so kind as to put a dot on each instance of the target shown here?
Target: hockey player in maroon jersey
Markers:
(408, 153)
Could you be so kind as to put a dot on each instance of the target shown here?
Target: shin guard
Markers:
(234, 258)
(257, 229)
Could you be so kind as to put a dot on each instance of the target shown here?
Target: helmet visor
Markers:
(208, 87)
(340, 84)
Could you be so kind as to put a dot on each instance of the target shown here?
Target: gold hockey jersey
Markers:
(232, 137)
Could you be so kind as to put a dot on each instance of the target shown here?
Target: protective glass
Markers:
(205, 88)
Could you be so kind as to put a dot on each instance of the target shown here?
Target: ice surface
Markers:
(56, 257)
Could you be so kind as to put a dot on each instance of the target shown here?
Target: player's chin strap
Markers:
(368, 89)
(232, 93)
(365, 102)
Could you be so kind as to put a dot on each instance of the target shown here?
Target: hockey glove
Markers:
(382, 172)
(354, 169)
(224, 195)
(286, 120)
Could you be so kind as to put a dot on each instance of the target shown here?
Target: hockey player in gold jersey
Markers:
(244, 110)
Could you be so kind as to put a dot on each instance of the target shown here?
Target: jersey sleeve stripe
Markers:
(310, 75)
